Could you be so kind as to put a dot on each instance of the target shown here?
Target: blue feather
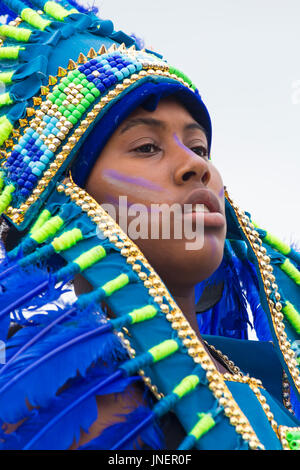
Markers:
(59, 425)
(151, 436)
(37, 374)
(229, 317)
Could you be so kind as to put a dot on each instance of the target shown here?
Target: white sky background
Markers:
(244, 56)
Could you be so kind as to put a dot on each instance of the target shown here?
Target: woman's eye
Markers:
(200, 150)
(147, 148)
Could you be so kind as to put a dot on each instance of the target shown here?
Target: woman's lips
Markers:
(203, 206)
(208, 219)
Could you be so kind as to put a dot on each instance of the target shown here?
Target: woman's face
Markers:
(159, 160)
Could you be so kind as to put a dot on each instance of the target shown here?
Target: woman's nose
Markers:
(190, 166)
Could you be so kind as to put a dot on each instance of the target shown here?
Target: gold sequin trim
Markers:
(271, 289)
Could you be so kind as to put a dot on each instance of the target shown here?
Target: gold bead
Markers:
(142, 276)
(164, 308)
(136, 268)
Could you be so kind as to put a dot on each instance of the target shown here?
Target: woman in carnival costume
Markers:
(87, 116)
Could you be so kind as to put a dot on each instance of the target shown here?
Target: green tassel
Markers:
(34, 19)
(6, 197)
(19, 34)
(57, 11)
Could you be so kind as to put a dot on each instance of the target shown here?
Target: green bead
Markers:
(67, 113)
(71, 107)
(77, 113)
(58, 102)
(81, 108)
(95, 92)
(62, 96)
(56, 93)
(51, 97)
(85, 103)
(84, 91)
(84, 82)
(62, 109)
(76, 72)
(82, 76)
(90, 97)
(61, 86)
(73, 119)
(90, 85)
(77, 81)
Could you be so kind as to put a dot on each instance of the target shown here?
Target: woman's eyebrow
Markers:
(194, 125)
(142, 121)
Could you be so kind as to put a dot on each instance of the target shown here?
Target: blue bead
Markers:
(101, 69)
(47, 118)
(14, 154)
(90, 77)
(120, 66)
(87, 72)
(131, 68)
(28, 185)
(55, 131)
(93, 61)
(44, 159)
(106, 82)
(93, 68)
(49, 154)
(125, 72)
(22, 141)
(113, 63)
(101, 87)
(25, 192)
(20, 181)
(119, 75)
(32, 178)
(113, 80)
(81, 68)
(36, 171)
